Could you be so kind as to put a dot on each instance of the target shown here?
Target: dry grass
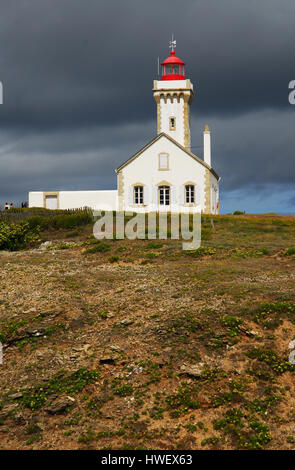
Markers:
(134, 316)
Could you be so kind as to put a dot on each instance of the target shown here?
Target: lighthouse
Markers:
(164, 175)
(174, 95)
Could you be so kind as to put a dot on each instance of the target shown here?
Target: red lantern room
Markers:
(173, 68)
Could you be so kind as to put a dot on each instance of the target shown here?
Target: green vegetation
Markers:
(9, 329)
(18, 231)
(114, 259)
(192, 347)
(153, 245)
(87, 436)
(290, 251)
(202, 251)
(233, 396)
(17, 236)
(278, 365)
(271, 314)
(213, 440)
(123, 390)
(98, 248)
(182, 401)
(246, 432)
(63, 221)
(231, 321)
(34, 398)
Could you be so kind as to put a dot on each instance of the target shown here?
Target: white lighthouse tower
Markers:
(174, 95)
(164, 175)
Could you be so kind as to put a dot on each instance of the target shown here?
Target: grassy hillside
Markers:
(138, 344)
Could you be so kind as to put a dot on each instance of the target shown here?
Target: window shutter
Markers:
(146, 195)
(197, 195)
(130, 198)
(181, 194)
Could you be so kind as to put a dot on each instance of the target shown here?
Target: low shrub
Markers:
(61, 221)
(114, 259)
(231, 321)
(35, 397)
(271, 314)
(17, 236)
(278, 365)
(153, 244)
(202, 251)
(290, 251)
(98, 248)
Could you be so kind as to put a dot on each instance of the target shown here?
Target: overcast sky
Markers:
(77, 78)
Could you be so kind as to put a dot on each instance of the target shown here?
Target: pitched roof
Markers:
(199, 160)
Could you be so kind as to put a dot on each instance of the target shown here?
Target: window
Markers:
(164, 195)
(172, 123)
(138, 194)
(167, 69)
(163, 161)
(189, 194)
(175, 69)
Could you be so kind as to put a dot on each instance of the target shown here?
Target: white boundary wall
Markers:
(104, 200)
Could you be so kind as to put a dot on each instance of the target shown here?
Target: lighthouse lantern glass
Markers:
(175, 69)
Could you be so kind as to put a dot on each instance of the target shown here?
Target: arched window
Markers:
(189, 194)
(164, 195)
(138, 195)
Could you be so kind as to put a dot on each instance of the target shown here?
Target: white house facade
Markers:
(164, 175)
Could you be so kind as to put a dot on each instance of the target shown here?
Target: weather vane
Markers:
(172, 43)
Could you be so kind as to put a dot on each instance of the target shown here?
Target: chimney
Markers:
(207, 145)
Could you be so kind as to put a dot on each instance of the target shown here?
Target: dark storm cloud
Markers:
(77, 79)
(74, 62)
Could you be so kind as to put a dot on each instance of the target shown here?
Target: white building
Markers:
(164, 175)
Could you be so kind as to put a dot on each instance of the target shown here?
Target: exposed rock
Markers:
(59, 405)
(192, 370)
(246, 332)
(26, 333)
(15, 396)
(7, 410)
(87, 349)
(45, 245)
(126, 322)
